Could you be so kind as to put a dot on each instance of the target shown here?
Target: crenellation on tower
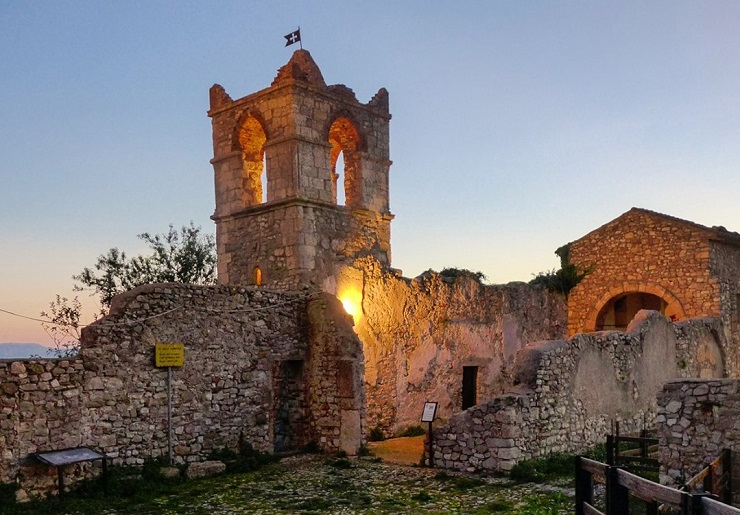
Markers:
(301, 179)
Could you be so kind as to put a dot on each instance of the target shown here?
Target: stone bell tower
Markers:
(301, 173)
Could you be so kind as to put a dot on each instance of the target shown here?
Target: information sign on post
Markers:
(430, 410)
(169, 354)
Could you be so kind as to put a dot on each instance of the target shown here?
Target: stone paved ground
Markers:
(317, 484)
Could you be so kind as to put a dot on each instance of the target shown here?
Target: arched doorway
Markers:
(619, 311)
(616, 309)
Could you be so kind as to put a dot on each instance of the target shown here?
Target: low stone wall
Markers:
(276, 370)
(566, 394)
(696, 420)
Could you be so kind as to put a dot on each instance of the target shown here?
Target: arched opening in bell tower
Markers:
(252, 140)
(345, 162)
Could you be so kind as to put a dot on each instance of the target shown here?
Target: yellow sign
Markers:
(169, 354)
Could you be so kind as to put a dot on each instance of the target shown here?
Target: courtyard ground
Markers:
(306, 484)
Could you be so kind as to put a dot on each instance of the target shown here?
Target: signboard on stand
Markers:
(430, 410)
(169, 354)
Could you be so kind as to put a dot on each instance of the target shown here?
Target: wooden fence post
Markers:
(617, 496)
(584, 487)
(610, 449)
(727, 469)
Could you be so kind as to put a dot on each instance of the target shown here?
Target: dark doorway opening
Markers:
(470, 387)
(290, 405)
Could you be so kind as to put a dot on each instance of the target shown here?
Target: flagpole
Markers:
(300, 41)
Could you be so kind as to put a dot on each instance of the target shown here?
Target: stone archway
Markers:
(345, 139)
(618, 306)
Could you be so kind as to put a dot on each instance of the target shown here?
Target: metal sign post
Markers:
(430, 410)
(169, 355)
(169, 416)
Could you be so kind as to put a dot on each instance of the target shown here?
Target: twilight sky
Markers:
(517, 126)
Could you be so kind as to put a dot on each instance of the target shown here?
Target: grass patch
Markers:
(499, 507)
(422, 496)
(555, 466)
(548, 504)
(246, 460)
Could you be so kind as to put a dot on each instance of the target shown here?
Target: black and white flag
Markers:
(293, 37)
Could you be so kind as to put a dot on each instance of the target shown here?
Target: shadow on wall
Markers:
(565, 394)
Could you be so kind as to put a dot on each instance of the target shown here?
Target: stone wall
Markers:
(418, 334)
(296, 243)
(696, 420)
(242, 347)
(565, 394)
(645, 252)
(725, 265)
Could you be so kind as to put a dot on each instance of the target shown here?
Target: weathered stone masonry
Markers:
(696, 420)
(293, 132)
(566, 394)
(418, 334)
(243, 348)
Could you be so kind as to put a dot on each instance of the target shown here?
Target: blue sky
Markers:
(517, 126)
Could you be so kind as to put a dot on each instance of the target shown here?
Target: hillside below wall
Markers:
(269, 368)
(418, 334)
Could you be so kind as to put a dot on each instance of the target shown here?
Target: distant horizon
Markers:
(18, 350)
(27, 343)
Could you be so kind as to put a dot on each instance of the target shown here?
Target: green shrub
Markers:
(564, 280)
(364, 450)
(422, 496)
(416, 430)
(312, 448)
(467, 483)
(456, 273)
(376, 435)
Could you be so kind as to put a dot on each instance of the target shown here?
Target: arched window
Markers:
(252, 140)
(345, 162)
(257, 276)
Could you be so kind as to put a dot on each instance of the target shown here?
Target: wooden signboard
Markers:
(169, 354)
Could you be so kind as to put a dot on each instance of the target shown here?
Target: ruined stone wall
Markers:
(40, 408)
(237, 344)
(725, 265)
(565, 394)
(640, 251)
(418, 334)
(696, 420)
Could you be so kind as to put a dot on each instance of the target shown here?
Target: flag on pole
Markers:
(293, 37)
